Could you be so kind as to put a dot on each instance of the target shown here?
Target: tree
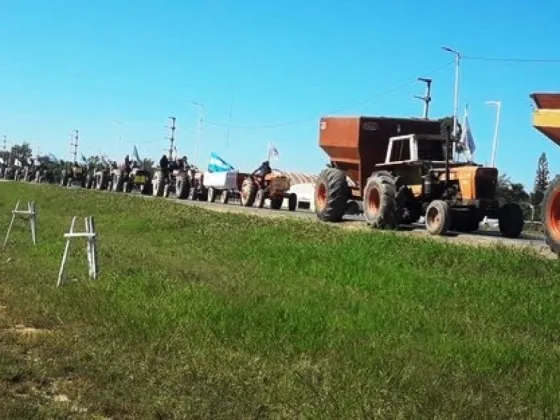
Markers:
(508, 191)
(22, 152)
(146, 163)
(542, 179)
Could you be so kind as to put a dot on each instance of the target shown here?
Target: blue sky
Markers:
(84, 64)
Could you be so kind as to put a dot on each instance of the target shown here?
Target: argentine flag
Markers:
(217, 164)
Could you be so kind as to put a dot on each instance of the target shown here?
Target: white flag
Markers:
(467, 139)
(272, 152)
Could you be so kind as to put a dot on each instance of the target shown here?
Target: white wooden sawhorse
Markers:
(31, 213)
(91, 248)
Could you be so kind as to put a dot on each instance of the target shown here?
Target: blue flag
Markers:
(217, 164)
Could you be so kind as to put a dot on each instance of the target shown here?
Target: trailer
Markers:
(225, 185)
(546, 119)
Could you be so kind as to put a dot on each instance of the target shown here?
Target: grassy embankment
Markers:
(206, 315)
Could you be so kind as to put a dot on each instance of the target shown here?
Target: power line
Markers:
(513, 60)
(338, 111)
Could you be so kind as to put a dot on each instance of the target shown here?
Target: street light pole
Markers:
(119, 129)
(498, 105)
(198, 129)
(456, 94)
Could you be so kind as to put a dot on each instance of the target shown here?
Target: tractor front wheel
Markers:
(292, 202)
(511, 220)
(276, 202)
(248, 192)
(182, 187)
(259, 198)
(438, 218)
(212, 194)
(158, 184)
(224, 197)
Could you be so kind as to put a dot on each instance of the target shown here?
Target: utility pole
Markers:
(427, 98)
(74, 144)
(172, 138)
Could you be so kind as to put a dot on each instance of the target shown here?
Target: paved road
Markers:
(483, 238)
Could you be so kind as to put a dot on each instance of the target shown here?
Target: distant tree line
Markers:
(23, 153)
(509, 191)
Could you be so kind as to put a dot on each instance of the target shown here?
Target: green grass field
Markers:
(208, 315)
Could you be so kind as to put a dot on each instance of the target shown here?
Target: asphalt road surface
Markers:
(533, 241)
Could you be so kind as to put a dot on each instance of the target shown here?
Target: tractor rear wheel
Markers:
(511, 220)
(551, 215)
(331, 195)
(380, 204)
(438, 218)
(248, 192)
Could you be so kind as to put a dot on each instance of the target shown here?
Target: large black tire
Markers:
(146, 188)
(100, 181)
(438, 218)
(511, 220)
(118, 183)
(182, 186)
(276, 203)
(203, 194)
(248, 192)
(465, 222)
(380, 203)
(89, 181)
(331, 195)
(292, 202)
(212, 194)
(550, 215)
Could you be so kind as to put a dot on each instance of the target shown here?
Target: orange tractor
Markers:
(255, 189)
(546, 119)
(400, 169)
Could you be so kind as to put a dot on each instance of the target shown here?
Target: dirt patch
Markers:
(25, 331)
